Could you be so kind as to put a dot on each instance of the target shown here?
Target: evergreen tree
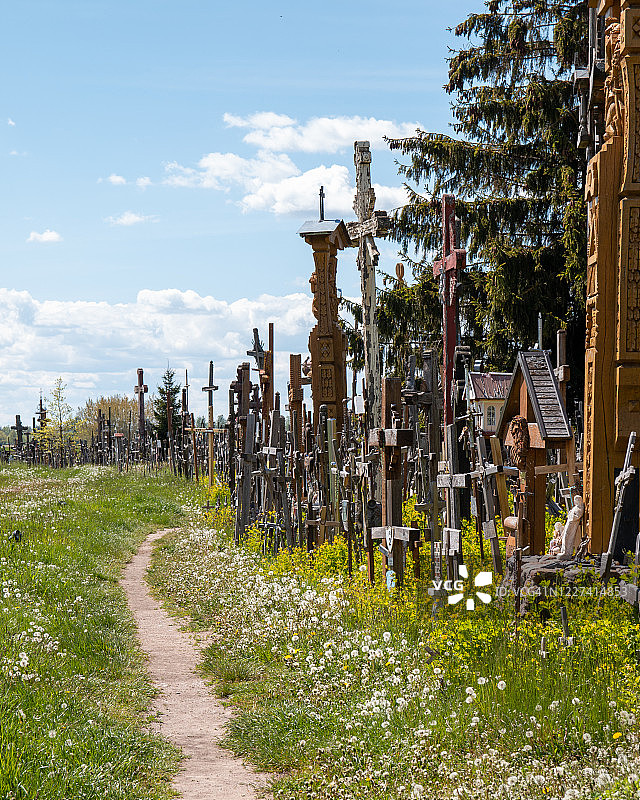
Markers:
(518, 177)
(167, 389)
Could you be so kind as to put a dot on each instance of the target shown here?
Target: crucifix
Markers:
(370, 224)
(210, 389)
(141, 389)
(264, 362)
(447, 269)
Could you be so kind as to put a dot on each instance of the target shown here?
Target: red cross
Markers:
(453, 260)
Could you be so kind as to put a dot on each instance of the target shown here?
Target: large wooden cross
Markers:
(453, 262)
(390, 439)
(19, 428)
(370, 224)
(141, 389)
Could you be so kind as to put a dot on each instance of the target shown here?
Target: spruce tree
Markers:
(518, 177)
(167, 389)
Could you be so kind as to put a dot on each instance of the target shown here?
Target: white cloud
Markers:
(272, 182)
(130, 218)
(278, 133)
(223, 170)
(117, 180)
(45, 237)
(70, 339)
(261, 120)
(11, 123)
(300, 193)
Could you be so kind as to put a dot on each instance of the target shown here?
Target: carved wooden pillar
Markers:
(327, 341)
(612, 365)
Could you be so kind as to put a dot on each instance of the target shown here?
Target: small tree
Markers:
(169, 391)
(60, 425)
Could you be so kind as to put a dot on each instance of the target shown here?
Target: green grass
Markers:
(74, 693)
(335, 692)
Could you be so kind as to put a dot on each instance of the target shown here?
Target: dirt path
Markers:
(189, 716)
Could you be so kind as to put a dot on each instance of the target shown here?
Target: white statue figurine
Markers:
(571, 532)
(556, 540)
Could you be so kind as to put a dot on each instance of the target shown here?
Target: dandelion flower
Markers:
(502, 685)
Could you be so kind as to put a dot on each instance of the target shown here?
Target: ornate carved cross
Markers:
(453, 261)
(370, 224)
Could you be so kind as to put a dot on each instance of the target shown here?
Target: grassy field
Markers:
(345, 692)
(73, 688)
(342, 690)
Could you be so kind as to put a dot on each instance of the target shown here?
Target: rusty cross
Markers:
(141, 389)
(453, 262)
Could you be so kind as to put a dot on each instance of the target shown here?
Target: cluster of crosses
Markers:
(347, 462)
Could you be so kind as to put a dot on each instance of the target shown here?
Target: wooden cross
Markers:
(258, 350)
(370, 224)
(241, 388)
(390, 439)
(231, 441)
(453, 262)
(141, 389)
(296, 396)
(210, 389)
(42, 415)
(267, 383)
(19, 428)
(243, 503)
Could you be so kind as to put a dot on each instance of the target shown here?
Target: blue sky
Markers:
(157, 159)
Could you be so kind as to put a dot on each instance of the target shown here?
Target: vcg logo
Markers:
(458, 591)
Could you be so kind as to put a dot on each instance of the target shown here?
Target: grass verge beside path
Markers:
(74, 693)
(337, 691)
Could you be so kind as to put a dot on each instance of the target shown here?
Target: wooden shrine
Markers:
(612, 366)
(327, 341)
(534, 397)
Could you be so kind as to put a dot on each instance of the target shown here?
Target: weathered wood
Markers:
(612, 359)
(327, 341)
(447, 270)
(501, 481)
(370, 224)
